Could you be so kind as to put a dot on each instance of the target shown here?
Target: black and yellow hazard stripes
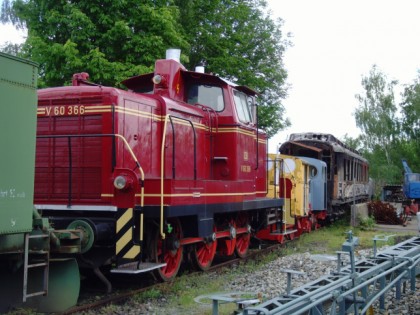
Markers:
(125, 247)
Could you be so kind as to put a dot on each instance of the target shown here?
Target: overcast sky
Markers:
(335, 43)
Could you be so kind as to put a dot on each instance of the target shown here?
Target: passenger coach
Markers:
(347, 171)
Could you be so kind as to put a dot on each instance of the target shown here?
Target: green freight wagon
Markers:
(18, 100)
(31, 275)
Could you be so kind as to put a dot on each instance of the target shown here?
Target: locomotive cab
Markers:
(229, 115)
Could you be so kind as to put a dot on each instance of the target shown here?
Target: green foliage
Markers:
(354, 143)
(367, 223)
(113, 40)
(411, 109)
(381, 171)
(386, 136)
(376, 115)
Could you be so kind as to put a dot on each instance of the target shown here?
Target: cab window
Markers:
(208, 95)
(243, 105)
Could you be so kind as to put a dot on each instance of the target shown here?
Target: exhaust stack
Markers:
(174, 53)
(200, 68)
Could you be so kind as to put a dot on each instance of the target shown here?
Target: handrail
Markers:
(256, 130)
(162, 173)
(70, 171)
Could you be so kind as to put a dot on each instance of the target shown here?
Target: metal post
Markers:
(339, 262)
(413, 279)
(382, 298)
(374, 247)
(398, 290)
(289, 278)
(289, 283)
(25, 267)
(215, 307)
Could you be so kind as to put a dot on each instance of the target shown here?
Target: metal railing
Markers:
(352, 289)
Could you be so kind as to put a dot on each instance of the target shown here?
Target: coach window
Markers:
(346, 169)
(211, 96)
(313, 171)
(243, 106)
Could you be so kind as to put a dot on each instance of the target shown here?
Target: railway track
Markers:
(122, 295)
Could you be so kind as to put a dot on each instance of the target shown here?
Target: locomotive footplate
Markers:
(136, 268)
(207, 212)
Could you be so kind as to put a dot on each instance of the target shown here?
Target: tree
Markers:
(354, 143)
(241, 43)
(410, 109)
(376, 114)
(112, 40)
(410, 106)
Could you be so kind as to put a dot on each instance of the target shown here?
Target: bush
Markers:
(367, 223)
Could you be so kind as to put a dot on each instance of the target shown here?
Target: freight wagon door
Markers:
(68, 165)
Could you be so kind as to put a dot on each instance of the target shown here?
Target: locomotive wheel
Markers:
(169, 251)
(242, 240)
(203, 254)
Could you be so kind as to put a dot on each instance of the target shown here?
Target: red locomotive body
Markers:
(176, 160)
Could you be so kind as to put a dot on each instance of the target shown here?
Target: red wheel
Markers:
(169, 251)
(203, 254)
(242, 240)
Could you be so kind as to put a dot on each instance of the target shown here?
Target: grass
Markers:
(180, 294)
(330, 239)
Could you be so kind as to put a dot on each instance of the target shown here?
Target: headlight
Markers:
(120, 182)
(157, 79)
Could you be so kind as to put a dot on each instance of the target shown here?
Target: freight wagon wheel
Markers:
(169, 250)
(203, 254)
(314, 222)
(242, 240)
(291, 236)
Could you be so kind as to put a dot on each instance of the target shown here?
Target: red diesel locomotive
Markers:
(175, 162)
